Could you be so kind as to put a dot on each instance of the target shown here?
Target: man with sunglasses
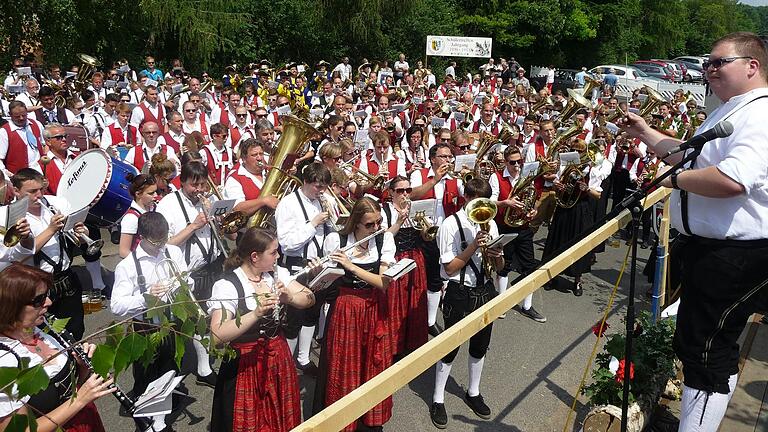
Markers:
(53, 252)
(195, 119)
(218, 157)
(241, 129)
(719, 206)
(140, 155)
(518, 254)
(59, 154)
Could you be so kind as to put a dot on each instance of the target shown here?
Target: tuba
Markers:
(654, 100)
(481, 211)
(575, 102)
(484, 168)
(571, 192)
(590, 84)
(296, 133)
(525, 192)
(88, 65)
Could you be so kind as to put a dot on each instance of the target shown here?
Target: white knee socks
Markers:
(442, 372)
(94, 269)
(292, 344)
(203, 360)
(527, 302)
(475, 367)
(305, 343)
(703, 412)
(433, 302)
(501, 284)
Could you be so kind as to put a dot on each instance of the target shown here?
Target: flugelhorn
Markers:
(482, 211)
(92, 247)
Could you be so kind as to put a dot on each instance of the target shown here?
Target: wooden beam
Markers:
(355, 404)
(664, 241)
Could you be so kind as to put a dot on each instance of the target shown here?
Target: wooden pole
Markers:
(664, 240)
(355, 404)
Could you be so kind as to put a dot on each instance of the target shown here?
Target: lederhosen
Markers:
(66, 294)
(296, 318)
(723, 284)
(164, 359)
(407, 296)
(258, 389)
(347, 330)
(460, 300)
(207, 275)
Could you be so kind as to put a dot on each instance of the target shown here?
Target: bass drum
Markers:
(77, 137)
(99, 182)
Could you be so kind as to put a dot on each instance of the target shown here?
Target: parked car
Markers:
(659, 69)
(695, 72)
(623, 72)
(564, 79)
(697, 60)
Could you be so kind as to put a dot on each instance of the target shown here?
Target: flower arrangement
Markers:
(651, 366)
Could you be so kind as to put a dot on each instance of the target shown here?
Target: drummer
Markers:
(59, 155)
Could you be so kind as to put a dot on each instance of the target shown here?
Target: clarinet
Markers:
(66, 340)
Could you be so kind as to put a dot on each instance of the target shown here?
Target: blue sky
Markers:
(755, 2)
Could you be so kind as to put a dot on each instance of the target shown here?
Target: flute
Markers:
(66, 340)
(325, 259)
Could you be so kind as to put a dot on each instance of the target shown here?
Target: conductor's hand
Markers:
(633, 124)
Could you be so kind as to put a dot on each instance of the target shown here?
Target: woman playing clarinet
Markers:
(24, 296)
(258, 389)
(407, 297)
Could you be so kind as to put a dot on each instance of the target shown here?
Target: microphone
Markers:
(721, 130)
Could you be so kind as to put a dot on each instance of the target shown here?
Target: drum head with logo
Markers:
(85, 179)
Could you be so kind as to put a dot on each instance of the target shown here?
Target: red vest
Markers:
(373, 169)
(620, 153)
(117, 134)
(538, 184)
(175, 145)
(213, 171)
(505, 188)
(249, 187)
(452, 201)
(224, 116)
(149, 117)
(138, 155)
(17, 156)
(53, 174)
(494, 130)
(136, 237)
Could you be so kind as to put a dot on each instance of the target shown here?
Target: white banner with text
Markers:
(456, 46)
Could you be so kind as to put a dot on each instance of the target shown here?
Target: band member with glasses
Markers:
(194, 118)
(165, 174)
(407, 296)
(24, 296)
(435, 183)
(136, 277)
(217, 156)
(302, 226)
(241, 129)
(719, 206)
(53, 252)
(253, 286)
(143, 190)
(518, 254)
(357, 346)
(460, 242)
(140, 155)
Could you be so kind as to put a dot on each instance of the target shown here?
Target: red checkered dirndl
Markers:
(267, 389)
(358, 348)
(407, 300)
(86, 420)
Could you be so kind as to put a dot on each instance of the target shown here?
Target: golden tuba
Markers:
(590, 84)
(88, 65)
(575, 102)
(481, 211)
(484, 168)
(296, 133)
(541, 103)
(654, 100)
(525, 192)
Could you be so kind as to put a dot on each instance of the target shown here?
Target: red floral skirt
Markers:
(407, 302)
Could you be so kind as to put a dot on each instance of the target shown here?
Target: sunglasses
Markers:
(39, 300)
(718, 63)
(516, 162)
(157, 243)
(151, 133)
(58, 137)
(403, 190)
(190, 110)
(464, 147)
(376, 223)
(241, 115)
(261, 115)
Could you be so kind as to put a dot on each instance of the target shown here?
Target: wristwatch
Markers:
(673, 179)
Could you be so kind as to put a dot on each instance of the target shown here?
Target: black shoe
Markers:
(438, 415)
(645, 245)
(533, 314)
(477, 404)
(549, 286)
(434, 330)
(577, 290)
(208, 380)
(309, 369)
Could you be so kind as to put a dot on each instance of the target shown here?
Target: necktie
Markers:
(51, 116)
(31, 140)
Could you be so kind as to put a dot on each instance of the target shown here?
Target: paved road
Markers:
(531, 372)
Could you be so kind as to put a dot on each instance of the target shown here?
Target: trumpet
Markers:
(92, 247)
(231, 222)
(427, 229)
(207, 205)
(376, 182)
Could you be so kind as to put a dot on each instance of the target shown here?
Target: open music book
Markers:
(157, 398)
(325, 278)
(501, 241)
(400, 268)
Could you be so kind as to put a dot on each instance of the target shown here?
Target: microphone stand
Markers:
(633, 202)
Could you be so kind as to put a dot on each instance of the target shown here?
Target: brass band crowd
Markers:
(324, 167)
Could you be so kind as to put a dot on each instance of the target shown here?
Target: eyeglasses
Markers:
(516, 162)
(464, 147)
(403, 190)
(241, 115)
(58, 137)
(376, 223)
(157, 243)
(39, 300)
(718, 63)
(190, 110)
(151, 133)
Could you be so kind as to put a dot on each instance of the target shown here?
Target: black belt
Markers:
(706, 241)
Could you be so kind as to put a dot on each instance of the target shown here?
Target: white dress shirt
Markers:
(127, 295)
(449, 242)
(384, 165)
(149, 152)
(743, 158)
(169, 207)
(294, 231)
(224, 294)
(233, 189)
(39, 224)
(129, 223)
(493, 180)
(33, 155)
(439, 189)
(388, 248)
